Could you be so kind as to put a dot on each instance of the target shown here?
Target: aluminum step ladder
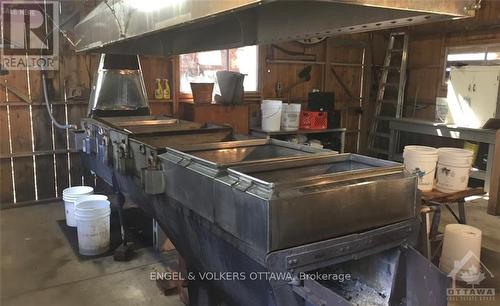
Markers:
(390, 95)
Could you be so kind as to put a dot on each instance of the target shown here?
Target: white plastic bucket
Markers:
(290, 117)
(70, 195)
(456, 156)
(271, 115)
(421, 161)
(453, 169)
(91, 197)
(461, 250)
(93, 226)
(420, 150)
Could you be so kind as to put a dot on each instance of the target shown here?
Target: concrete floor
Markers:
(38, 267)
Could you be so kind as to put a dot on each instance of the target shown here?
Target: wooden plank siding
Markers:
(6, 194)
(344, 54)
(36, 162)
(427, 59)
(427, 52)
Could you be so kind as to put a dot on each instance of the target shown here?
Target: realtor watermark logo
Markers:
(472, 272)
(29, 35)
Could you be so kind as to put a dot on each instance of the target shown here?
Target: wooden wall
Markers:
(36, 159)
(347, 56)
(427, 52)
(426, 63)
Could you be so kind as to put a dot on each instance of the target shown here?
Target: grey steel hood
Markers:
(118, 87)
(164, 27)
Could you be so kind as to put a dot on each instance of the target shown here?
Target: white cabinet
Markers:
(473, 95)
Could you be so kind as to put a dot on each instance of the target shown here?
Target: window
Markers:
(202, 66)
(471, 55)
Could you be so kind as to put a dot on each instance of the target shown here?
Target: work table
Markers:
(233, 115)
(447, 131)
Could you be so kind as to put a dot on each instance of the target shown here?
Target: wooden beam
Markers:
(494, 201)
(341, 82)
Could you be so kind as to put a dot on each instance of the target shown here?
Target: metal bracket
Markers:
(319, 295)
(350, 247)
(153, 161)
(347, 248)
(153, 181)
(184, 162)
(242, 185)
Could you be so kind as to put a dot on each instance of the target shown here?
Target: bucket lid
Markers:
(77, 191)
(271, 103)
(89, 206)
(69, 199)
(423, 150)
(462, 229)
(91, 197)
(417, 156)
(73, 198)
(293, 107)
(456, 152)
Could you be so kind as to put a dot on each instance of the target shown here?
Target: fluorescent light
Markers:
(151, 5)
(493, 56)
(480, 56)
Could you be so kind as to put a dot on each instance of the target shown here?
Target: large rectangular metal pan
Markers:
(190, 170)
(209, 133)
(232, 153)
(313, 168)
(276, 205)
(147, 124)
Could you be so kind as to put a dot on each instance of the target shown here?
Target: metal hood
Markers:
(118, 88)
(164, 27)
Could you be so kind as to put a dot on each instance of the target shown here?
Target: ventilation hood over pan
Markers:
(181, 26)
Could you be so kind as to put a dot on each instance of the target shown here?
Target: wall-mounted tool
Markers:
(295, 55)
(304, 75)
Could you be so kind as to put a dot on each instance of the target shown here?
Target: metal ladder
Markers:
(390, 95)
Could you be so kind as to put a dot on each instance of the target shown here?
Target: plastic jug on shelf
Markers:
(166, 90)
(158, 90)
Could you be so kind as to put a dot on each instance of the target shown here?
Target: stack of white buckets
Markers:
(462, 243)
(277, 115)
(90, 214)
(453, 167)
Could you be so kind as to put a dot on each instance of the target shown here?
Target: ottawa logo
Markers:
(471, 272)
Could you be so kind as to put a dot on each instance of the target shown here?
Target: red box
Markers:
(313, 120)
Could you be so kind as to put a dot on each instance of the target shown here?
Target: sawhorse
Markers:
(432, 202)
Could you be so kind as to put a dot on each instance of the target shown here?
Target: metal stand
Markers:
(461, 211)
(433, 202)
(124, 251)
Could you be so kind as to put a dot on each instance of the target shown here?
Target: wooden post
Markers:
(176, 85)
(494, 201)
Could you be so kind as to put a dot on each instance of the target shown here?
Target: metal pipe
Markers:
(46, 98)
